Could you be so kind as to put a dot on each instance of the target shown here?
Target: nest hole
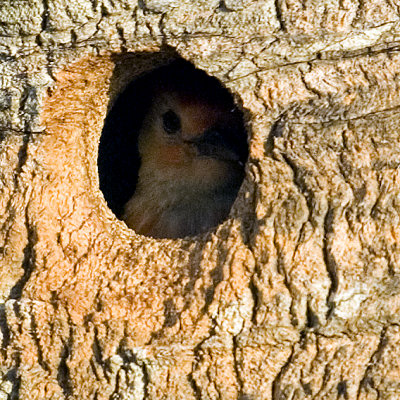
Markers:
(174, 141)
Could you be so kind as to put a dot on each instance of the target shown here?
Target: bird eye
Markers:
(171, 122)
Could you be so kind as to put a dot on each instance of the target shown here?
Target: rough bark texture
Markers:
(295, 296)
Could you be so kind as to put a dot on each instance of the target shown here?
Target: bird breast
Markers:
(168, 211)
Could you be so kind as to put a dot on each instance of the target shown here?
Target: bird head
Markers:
(193, 136)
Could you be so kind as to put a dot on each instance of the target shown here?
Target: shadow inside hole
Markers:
(118, 156)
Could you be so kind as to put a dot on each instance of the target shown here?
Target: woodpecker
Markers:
(192, 146)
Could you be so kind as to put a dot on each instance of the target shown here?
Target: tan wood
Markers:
(295, 296)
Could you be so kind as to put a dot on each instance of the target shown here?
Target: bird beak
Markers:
(215, 145)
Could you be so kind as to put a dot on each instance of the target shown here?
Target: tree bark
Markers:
(295, 296)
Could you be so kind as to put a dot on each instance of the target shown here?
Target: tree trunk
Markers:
(295, 296)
